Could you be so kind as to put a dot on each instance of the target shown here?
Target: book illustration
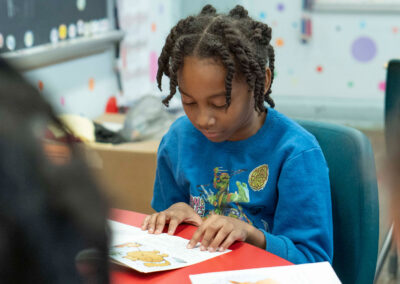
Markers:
(149, 258)
(131, 247)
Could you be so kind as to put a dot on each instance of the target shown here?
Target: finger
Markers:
(230, 239)
(152, 223)
(173, 224)
(196, 237)
(219, 238)
(145, 222)
(160, 223)
(194, 219)
(209, 235)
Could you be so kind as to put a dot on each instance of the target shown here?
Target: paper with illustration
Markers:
(314, 273)
(144, 252)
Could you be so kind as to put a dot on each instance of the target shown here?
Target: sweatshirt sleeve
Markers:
(166, 190)
(302, 230)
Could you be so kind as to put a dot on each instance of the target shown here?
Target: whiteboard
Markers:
(392, 6)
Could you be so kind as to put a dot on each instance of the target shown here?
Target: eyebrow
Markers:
(212, 96)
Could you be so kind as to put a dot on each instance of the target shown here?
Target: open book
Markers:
(144, 252)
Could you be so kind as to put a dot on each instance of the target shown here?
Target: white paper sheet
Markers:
(146, 252)
(315, 273)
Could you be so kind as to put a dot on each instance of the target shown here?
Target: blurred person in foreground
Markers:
(50, 208)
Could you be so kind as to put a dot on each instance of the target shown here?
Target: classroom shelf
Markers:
(49, 54)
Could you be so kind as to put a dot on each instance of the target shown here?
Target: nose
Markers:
(205, 120)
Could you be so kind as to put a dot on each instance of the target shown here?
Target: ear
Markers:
(268, 78)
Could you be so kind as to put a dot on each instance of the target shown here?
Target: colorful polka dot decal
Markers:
(263, 15)
(62, 101)
(364, 49)
(153, 27)
(279, 42)
(280, 7)
(319, 69)
(382, 86)
(91, 84)
(153, 66)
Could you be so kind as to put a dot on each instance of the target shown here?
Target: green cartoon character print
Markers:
(223, 201)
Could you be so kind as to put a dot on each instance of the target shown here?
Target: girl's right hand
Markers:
(174, 215)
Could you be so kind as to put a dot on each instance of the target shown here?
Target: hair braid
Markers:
(164, 59)
(241, 43)
(176, 61)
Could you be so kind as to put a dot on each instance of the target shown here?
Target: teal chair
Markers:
(355, 207)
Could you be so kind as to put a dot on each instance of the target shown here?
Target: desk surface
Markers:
(242, 256)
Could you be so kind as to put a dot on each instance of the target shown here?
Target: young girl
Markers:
(231, 166)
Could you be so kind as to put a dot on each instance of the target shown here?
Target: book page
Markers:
(314, 273)
(144, 252)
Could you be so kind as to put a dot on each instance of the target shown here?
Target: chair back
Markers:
(355, 206)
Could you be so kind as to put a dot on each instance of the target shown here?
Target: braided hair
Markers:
(241, 43)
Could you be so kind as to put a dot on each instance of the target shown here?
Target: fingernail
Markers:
(151, 230)
(210, 249)
(202, 248)
(189, 246)
(221, 249)
(170, 232)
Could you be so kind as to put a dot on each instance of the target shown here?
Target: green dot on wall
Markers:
(350, 84)
(275, 74)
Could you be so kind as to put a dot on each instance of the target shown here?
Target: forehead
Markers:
(205, 77)
(197, 73)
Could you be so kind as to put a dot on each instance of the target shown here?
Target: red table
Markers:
(242, 256)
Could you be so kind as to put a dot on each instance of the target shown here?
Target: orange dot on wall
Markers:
(91, 84)
(320, 69)
(280, 42)
(153, 27)
(395, 30)
(40, 85)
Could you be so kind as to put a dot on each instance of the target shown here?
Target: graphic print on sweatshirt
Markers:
(223, 196)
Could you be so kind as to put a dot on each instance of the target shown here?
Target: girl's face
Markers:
(202, 87)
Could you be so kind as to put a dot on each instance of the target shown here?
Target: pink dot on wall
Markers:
(382, 86)
(62, 101)
(319, 69)
(153, 66)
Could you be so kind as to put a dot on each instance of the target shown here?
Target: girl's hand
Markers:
(220, 232)
(174, 215)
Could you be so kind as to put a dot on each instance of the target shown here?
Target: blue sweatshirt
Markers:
(277, 180)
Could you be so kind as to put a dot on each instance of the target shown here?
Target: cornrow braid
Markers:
(239, 42)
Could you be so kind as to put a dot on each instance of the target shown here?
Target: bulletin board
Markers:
(25, 24)
(357, 5)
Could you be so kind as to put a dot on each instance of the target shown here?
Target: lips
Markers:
(210, 134)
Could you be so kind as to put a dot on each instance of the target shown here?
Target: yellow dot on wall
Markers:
(279, 42)
(62, 32)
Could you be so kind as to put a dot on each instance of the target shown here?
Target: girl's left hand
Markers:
(219, 232)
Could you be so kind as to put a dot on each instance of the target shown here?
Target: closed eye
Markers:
(188, 104)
